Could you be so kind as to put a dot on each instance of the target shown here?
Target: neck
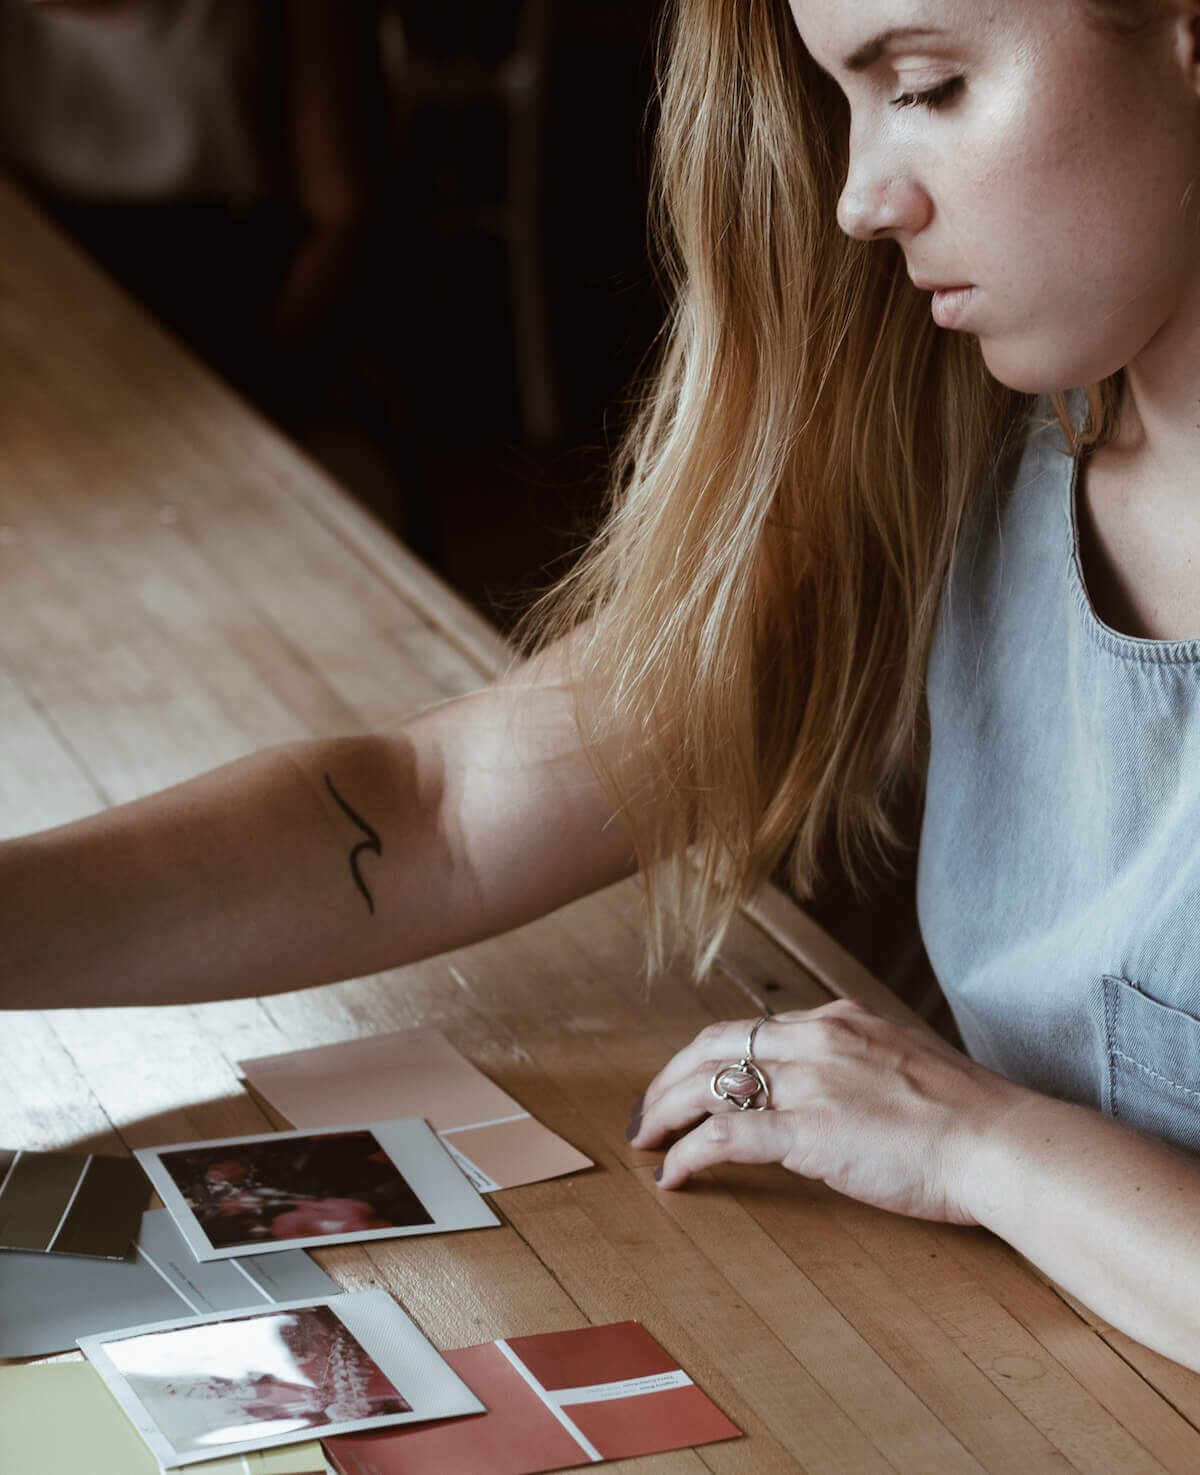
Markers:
(1160, 407)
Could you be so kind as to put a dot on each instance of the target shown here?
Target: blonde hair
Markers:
(1099, 421)
(754, 619)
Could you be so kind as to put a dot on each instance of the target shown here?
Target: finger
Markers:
(714, 1045)
(724, 1045)
(729, 1137)
(725, 1042)
(679, 1107)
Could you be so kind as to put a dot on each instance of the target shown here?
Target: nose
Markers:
(877, 203)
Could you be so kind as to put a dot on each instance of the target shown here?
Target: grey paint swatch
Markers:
(46, 1302)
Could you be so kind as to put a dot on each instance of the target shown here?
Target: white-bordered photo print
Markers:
(291, 1190)
(208, 1386)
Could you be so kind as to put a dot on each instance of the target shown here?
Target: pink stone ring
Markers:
(742, 1082)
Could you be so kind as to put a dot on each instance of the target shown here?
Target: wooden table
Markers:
(179, 586)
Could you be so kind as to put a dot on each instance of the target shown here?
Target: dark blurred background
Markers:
(411, 231)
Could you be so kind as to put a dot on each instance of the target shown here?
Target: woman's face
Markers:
(1011, 147)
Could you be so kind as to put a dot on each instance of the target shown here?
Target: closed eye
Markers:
(935, 97)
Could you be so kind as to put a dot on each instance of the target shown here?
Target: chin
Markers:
(1041, 365)
(1035, 368)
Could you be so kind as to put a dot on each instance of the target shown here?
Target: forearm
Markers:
(1111, 1215)
(311, 862)
(235, 883)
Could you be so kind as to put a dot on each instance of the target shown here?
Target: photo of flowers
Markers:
(201, 1388)
(274, 1373)
(237, 1196)
(293, 1187)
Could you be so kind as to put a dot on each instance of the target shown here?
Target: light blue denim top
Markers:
(1059, 874)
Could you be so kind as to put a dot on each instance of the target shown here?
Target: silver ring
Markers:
(742, 1082)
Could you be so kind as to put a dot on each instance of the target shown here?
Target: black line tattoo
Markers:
(372, 843)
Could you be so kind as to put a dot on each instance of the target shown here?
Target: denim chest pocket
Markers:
(1153, 1077)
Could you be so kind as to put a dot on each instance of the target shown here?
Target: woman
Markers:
(1034, 163)
(745, 662)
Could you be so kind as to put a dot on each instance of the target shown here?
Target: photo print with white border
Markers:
(239, 1196)
(204, 1387)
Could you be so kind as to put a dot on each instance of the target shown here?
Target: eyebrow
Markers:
(869, 53)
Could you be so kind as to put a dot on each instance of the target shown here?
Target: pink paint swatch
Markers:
(555, 1400)
(416, 1072)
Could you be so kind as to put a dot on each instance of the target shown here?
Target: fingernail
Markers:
(634, 1127)
(658, 1174)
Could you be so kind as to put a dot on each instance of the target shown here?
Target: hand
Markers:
(887, 1113)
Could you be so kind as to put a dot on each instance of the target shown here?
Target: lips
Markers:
(950, 300)
(950, 305)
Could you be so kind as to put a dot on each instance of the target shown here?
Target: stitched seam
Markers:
(1110, 1030)
(1154, 1075)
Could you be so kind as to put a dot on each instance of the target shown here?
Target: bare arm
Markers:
(1110, 1214)
(890, 1114)
(316, 860)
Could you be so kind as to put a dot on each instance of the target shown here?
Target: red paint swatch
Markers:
(554, 1401)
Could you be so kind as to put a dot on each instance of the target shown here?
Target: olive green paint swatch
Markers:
(69, 1203)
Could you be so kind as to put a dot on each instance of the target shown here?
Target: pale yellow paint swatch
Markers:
(58, 1418)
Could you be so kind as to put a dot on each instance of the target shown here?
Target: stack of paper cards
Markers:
(214, 1343)
(70, 1203)
(417, 1072)
(210, 1386)
(555, 1400)
(47, 1303)
(59, 1419)
(288, 1190)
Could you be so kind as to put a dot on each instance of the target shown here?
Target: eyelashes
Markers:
(934, 97)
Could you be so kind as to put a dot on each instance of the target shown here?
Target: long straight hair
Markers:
(752, 623)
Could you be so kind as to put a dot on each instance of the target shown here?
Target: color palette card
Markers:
(289, 1190)
(58, 1418)
(209, 1386)
(555, 1400)
(417, 1072)
(46, 1302)
(69, 1203)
